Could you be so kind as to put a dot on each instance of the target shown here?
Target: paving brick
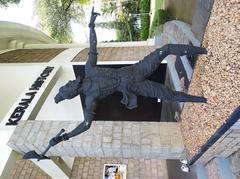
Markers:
(134, 167)
(27, 169)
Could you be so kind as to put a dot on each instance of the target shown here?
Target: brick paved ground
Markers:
(117, 53)
(92, 168)
(29, 55)
(25, 169)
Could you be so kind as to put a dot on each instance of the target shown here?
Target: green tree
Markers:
(108, 8)
(126, 23)
(55, 17)
(84, 2)
(6, 3)
(107, 25)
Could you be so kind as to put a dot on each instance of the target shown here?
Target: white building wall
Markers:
(67, 109)
(13, 80)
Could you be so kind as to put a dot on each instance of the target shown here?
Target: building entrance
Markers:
(111, 109)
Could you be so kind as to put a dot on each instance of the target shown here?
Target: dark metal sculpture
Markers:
(130, 80)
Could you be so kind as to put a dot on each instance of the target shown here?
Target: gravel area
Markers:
(216, 76)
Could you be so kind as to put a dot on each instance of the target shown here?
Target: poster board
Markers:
(115, 171)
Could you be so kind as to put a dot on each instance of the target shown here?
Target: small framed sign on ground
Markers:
(115, 171)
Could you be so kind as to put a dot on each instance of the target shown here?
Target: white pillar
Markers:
(55, 168)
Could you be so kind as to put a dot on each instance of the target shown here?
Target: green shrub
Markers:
(144, 6)
(163, 16)
(145, 23)
(145, 19)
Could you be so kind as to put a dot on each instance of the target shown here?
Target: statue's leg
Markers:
(84, 126)
(151, 62)
(156, 90)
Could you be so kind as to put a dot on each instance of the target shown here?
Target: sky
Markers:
(23, 13)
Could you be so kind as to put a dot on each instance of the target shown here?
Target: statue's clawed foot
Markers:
(182, 49)
(193, 50)
(204, 100)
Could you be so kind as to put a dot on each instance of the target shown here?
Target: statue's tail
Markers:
(151, 62)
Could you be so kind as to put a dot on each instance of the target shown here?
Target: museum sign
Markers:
(29, 96)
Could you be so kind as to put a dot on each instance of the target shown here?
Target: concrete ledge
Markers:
(103, 139)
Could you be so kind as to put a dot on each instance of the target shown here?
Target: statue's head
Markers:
(69, 90)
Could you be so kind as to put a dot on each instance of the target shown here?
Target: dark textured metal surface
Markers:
(148, 110)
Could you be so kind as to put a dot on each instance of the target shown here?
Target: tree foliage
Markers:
(107, 25)
(84, 2)
(126, 23)
(55, 17)
(108, 8)
(6, 3)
